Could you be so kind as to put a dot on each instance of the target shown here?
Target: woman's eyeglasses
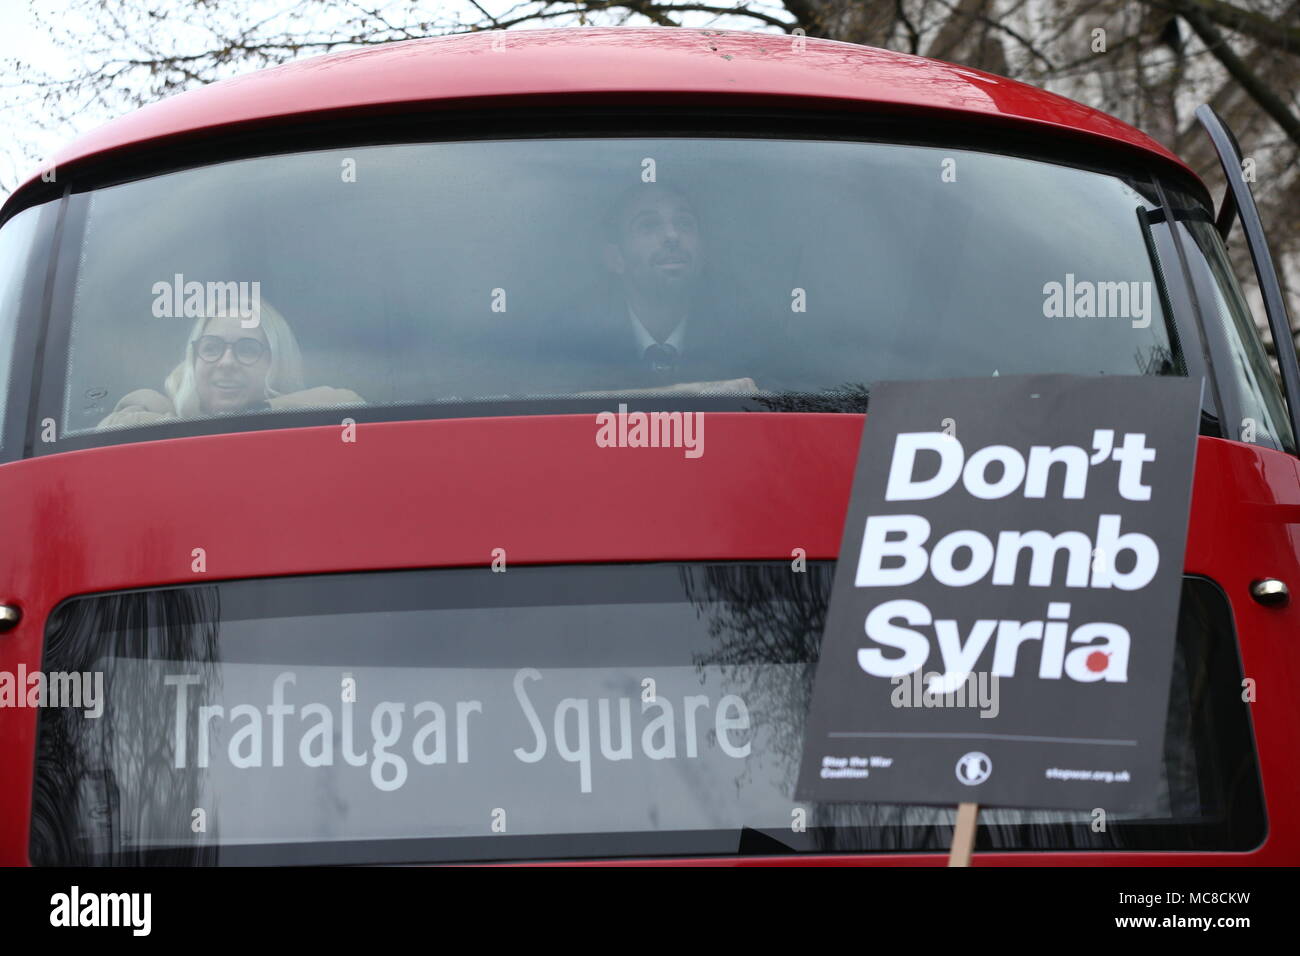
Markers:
(211, 348)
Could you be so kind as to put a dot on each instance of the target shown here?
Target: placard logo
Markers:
(974, 768)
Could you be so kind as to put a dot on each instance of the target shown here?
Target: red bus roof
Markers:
(611, 64)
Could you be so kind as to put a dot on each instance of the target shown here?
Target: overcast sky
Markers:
(22, 35)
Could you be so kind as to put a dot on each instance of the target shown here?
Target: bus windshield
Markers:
(441, 279)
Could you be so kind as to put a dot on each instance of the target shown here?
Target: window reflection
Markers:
(708, 767)
(792, 274)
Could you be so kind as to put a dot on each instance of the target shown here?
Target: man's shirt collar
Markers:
(645, 340)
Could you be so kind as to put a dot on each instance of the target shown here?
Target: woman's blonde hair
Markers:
(284, 376)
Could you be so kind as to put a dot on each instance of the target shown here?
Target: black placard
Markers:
(1002, 624)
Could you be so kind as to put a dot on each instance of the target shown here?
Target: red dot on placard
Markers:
(1098, 661)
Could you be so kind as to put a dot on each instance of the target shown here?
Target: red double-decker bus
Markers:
(440, 452)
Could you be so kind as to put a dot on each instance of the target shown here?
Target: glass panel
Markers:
(440, 277)
(15, 252)
(549, 712)
(1264, 409)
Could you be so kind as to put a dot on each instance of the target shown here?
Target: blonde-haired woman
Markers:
(229, 369)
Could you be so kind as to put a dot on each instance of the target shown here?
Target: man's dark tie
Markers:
(661, 358)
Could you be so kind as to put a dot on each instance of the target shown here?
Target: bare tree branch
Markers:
(1262, 29)
(1268, 101)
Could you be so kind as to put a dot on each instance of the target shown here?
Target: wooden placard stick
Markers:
(963, 834)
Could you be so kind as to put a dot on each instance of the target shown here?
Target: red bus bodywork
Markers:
(426, 494)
